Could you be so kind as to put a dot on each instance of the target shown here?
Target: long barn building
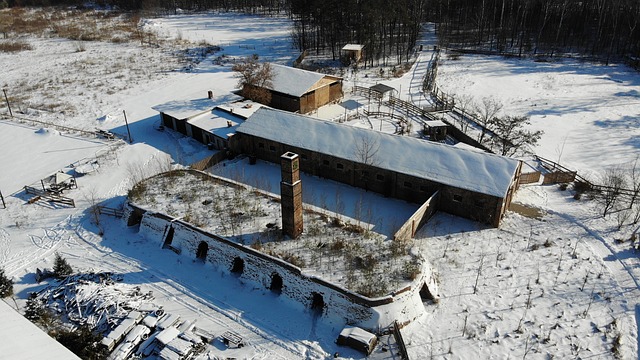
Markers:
(474, 185)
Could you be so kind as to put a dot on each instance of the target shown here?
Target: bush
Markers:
(14, 46)
(61, 267)
(411, 270)
(6, 285)
(83, 342)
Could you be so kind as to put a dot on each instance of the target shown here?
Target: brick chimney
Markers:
(291, 195)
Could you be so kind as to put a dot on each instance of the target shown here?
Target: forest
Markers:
(602, 30)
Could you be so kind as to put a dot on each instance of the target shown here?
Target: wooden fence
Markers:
(529, 178)
(408, 230)
(402, 347)
(209, 161)
(556, 172)
(32, 122)
(103, 210)
(367, 92)
(43, 195)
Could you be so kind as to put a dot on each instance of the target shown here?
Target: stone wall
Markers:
(260, 269)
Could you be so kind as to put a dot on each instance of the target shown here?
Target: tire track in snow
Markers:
(5, 249)
(45, 245)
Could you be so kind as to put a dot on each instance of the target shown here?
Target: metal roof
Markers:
(479, 172)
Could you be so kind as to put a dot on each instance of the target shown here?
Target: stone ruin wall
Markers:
(404, 305)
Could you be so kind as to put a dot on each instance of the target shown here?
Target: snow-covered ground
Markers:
(588, 112)
(586, 283)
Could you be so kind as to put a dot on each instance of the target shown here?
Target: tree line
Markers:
(389, 29)
(601, 28)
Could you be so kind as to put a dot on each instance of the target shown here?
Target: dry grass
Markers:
(79, 25)
(14, 46)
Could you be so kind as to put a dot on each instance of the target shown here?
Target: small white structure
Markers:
(352, 52)
(358, 339)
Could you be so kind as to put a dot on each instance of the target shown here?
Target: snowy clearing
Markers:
(587, 281)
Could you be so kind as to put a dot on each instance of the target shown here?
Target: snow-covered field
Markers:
(569, 298)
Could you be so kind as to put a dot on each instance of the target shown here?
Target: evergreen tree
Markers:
(34, 309)
(83, 342)
(6, 285)
(61, 267)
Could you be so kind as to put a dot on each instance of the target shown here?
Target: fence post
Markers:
(4, 205)
(7, 100)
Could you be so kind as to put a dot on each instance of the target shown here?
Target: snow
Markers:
(583, 108)
(292, 81)
(217, 122)
(469, 170)
(193, 106)
(359, 335)
(353, 47)
(167, 335)
(587, 110)
(24, 340)
(47, 153)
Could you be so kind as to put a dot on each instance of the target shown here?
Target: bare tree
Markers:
(366, 150)
(254, 78)
(465, 104)
(512, 135)
(366, 155)
(635, 182)
(485, 112)
(613, 181)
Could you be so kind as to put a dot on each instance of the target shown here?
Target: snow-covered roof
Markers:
(244, 109)
(21, 339)
(353, 47)
(58, 178)
(194, 105)
(482, 173)
(292, 81)
(167, 335)
(216, 122)
(357, 334)
(435, 123)
(381, 88)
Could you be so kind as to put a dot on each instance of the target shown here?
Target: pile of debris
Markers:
(126, 316)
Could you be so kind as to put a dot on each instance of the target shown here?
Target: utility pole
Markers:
(127, 123)
(7, 100)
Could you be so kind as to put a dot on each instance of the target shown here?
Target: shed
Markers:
(379, 91)
(351, 52)
(302, 91)
(358, 339)
(436, 130)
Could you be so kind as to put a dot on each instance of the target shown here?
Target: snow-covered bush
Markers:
(6, 285)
